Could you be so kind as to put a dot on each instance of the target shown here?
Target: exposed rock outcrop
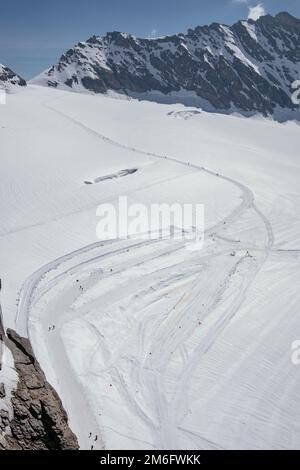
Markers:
(39, 421)
(9, 80)
(248, 67)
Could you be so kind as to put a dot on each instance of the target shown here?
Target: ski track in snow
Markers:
(233, 282)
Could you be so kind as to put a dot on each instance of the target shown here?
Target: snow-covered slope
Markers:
(162, 347)
(9, 80)
(249, 66)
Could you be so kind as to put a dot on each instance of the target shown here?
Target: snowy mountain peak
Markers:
(288, 20)
(248, 67)
(9, 80)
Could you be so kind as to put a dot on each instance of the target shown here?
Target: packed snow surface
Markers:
(151, 345)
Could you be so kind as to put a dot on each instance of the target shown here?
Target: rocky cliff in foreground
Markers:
(31, 414)
(248, 67)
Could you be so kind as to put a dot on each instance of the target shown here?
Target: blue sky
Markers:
(34, 33)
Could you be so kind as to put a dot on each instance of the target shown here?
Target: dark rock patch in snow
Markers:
(119, 174)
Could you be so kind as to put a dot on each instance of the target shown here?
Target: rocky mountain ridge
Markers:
(249, 67)
(9, 80)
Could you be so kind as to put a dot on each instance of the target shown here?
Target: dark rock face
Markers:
(9, 79)
(248, 67)
(2, 391)
(39, 421)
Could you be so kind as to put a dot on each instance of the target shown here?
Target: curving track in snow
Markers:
(205, 287)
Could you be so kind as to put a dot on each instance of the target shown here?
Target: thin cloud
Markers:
(256, 12)
(153, 34)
